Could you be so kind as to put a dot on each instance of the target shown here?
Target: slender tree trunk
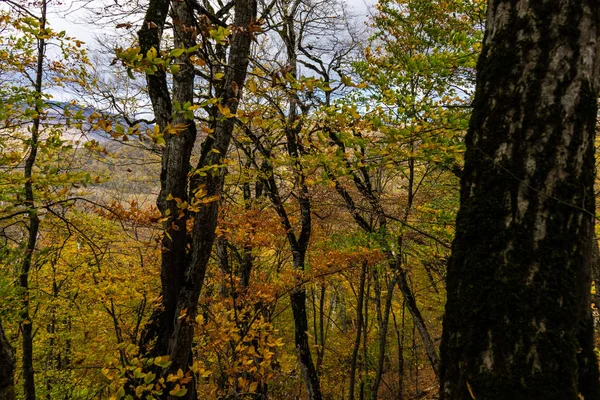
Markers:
(298, 243)
(7, 368)
(359, 327)
(53, 354)
(395, 261)
(322, 334)
(418, 321)
(365, 355)
(34, 220)
(518, 323)
(309, 372)
(383, 319)
(415, 359)
(400, 342)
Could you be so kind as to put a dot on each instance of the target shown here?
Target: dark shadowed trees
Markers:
(518, 321)
(7, 368)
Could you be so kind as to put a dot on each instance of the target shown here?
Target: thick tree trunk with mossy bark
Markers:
(518, 322)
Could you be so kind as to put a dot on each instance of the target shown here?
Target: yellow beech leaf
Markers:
(178, 391)
(252, 86)
(253, 387)
(224, 110)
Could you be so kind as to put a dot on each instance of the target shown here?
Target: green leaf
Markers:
(176, 52)
(192, 49)
(162, 362)
(149, 378)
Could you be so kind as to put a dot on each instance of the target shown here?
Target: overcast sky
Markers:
(65, 18)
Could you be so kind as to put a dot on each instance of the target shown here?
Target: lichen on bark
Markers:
(517, 317)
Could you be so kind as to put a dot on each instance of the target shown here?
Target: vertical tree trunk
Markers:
(365, 355)
(394, 261)
(415, 359)
(383, 319)
(418, 321)
(33, 218)
(518, 321)
(298, 243)
(183, 268)
(7, 368)
(205, 220)
(160, 327)
(321, 331)
(309, 372)
(400, 341)
(359, 328)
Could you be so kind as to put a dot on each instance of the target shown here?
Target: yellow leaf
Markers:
(178, 391)
(62, 192)
(253, 387)
(252, 86)
(224, 110)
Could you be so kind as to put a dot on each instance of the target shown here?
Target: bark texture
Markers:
(518, 321)
(7, 368)
(33, 224)
(186, 254)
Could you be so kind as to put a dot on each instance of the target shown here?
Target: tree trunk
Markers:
(33, 219)
(173, 180)
(7, 368)
(171, 328)
(309, 372)
(365, 355)
(298, 242)
(418, 321)
(205, 220)
(359, 327)
(394, 261)
(400, 341)
(518, 322)
(383, 319)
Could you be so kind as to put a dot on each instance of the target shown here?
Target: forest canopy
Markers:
(258, 199)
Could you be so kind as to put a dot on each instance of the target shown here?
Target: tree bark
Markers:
(205, 220)
(33, 218)
(359, 328)
(183, 268)
(383, 319)
(518, 321)
(172, 260)
(7, 368)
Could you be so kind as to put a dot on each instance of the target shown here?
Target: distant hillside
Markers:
(60, 113)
